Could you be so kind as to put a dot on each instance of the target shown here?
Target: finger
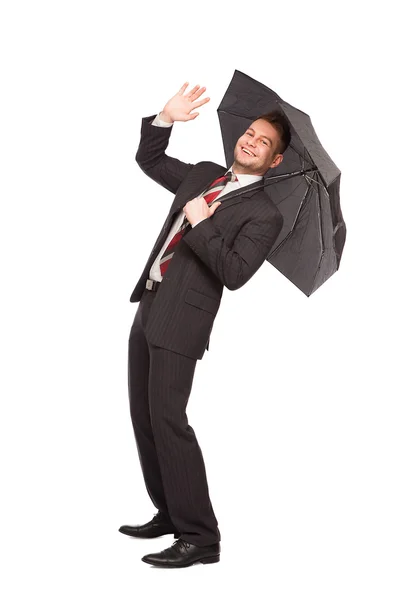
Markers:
(183, 88)
(192, 91)
(193, 116)
(198, 93)
(200, 103)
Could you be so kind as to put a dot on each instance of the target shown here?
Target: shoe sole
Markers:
(206, 561)
(148, 537)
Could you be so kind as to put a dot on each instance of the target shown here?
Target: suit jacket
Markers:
(225, 249)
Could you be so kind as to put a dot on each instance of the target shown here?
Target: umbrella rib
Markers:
(322, 243)
(260, 187)
(299, 209)
(288, 175)
(317, 182)
(317, 191)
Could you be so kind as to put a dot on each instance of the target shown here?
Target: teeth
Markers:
(248, 152)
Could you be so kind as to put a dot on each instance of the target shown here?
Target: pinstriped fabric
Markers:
(225, 250)
(209, 196)
(160, 383)
(172, 326)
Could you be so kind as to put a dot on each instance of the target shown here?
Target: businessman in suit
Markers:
(204, 245)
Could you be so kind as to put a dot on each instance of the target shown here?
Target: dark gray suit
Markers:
(172, 325)
(224, 250)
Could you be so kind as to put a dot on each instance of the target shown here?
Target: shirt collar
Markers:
(245, 178)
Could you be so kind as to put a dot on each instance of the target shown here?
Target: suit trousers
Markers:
(159, 384)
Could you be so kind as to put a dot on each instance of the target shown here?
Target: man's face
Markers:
(256, 150)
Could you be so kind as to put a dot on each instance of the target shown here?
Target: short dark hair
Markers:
(281, 124)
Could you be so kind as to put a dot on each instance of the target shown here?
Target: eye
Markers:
(264, 142)
(248, 133)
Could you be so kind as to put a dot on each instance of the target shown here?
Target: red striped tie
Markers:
(209, 196)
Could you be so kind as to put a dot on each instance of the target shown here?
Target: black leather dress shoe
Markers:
(183, 554)
(159, 525)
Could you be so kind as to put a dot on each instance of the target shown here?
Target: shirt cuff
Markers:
(198, 222)
(160, 123)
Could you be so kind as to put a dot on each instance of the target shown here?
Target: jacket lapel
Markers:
(199, 184)
(196, 184)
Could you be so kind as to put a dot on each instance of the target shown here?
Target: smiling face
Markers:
(256, 150)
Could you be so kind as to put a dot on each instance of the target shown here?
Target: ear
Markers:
(277, 161)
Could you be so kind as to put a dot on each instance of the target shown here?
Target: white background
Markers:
(295, 406)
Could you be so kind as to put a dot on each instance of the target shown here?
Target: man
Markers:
(203, 246)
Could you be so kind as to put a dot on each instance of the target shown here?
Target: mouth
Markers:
(247, 151)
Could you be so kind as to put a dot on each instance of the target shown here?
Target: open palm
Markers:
(180, 106)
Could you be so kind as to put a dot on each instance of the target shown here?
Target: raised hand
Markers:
(180, 106)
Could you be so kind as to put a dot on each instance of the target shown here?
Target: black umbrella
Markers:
(305, 186)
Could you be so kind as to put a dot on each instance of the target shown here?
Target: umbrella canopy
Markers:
(305, 186)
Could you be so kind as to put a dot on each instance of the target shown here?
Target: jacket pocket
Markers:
(202, 301)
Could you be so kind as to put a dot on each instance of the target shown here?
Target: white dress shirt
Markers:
(243, 179)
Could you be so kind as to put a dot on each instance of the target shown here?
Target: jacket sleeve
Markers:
(151, 158)
(235, 265)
